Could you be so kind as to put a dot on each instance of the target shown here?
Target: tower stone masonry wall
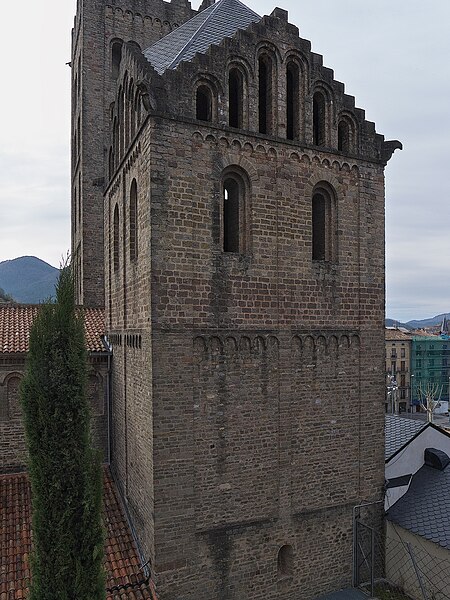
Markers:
(248, 387)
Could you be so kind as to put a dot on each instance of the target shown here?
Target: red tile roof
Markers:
(396, 334)
(124, 579)
(16, 321)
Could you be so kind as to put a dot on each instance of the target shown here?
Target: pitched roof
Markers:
(425, 508)
(396, 334)
(16, 321)
(124, 579)
(399, 431)
(210, 26)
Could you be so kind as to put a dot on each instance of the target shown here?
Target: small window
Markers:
(319, 119)
(116, 238)
(204, 103)
(133, 221)
(13, 397)
(265, 94)
(319, 227)
(231, 225)
(236, 98)
(234, 218)
(116, 58)
(292, 101)
(344, 136)
(323, 226)
(285, 561)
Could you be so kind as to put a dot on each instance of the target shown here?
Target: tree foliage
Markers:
(67, 558)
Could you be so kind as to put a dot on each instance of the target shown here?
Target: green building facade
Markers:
(430, 364)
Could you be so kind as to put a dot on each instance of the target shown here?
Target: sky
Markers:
(392, 55)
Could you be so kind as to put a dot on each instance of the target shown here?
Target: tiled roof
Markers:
(399, 431)
(16, 321)
(210, 26)
(396, 334)
(124, 580)
(425, 508)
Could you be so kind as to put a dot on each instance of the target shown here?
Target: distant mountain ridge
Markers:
(28, 279)
(418, 323)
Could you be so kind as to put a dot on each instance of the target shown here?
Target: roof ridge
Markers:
(196, 32)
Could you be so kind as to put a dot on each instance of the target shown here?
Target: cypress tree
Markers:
(65, 473)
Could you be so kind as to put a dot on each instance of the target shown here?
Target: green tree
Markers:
(65, 473)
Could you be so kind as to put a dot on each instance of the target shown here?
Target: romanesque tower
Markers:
(100, 29)
(241, 196)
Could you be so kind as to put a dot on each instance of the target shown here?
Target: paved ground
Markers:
(350, 594)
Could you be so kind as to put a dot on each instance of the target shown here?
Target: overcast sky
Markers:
(392, 55)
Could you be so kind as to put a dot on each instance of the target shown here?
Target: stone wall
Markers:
(13, 453)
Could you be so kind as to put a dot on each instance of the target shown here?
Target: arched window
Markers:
(236, 98)
(234, 218)
(323, 225)
(265, 93)
(285, 560)
(116, 58)
(346, 135)
(13, 397)
(111, 162)
(203, 103)
(133, 221)
(319, 124)
(292, 101)
(116, 236)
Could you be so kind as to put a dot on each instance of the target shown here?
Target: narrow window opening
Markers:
(285, 561)
(344, 136)
(231, 206)
(319, 210)
(116, 239)
(235, 91)
(204, 103)
(116, 59)
(133, 221)
(111, 162)
(318, 119)
(292, 101)
(265, 94)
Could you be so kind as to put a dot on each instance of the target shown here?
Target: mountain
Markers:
(4, 297)
(437, 320)
(416, 323)
(28, 279)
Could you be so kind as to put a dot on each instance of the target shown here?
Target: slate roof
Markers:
(16, 321)
(124, 579)
(210, 26)
(425, 508)
(399, 431)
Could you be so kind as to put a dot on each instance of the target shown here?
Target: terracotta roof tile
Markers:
(16, 321)
(124, 579)
(396, 334)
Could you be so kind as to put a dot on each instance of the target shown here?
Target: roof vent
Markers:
(436, 459)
